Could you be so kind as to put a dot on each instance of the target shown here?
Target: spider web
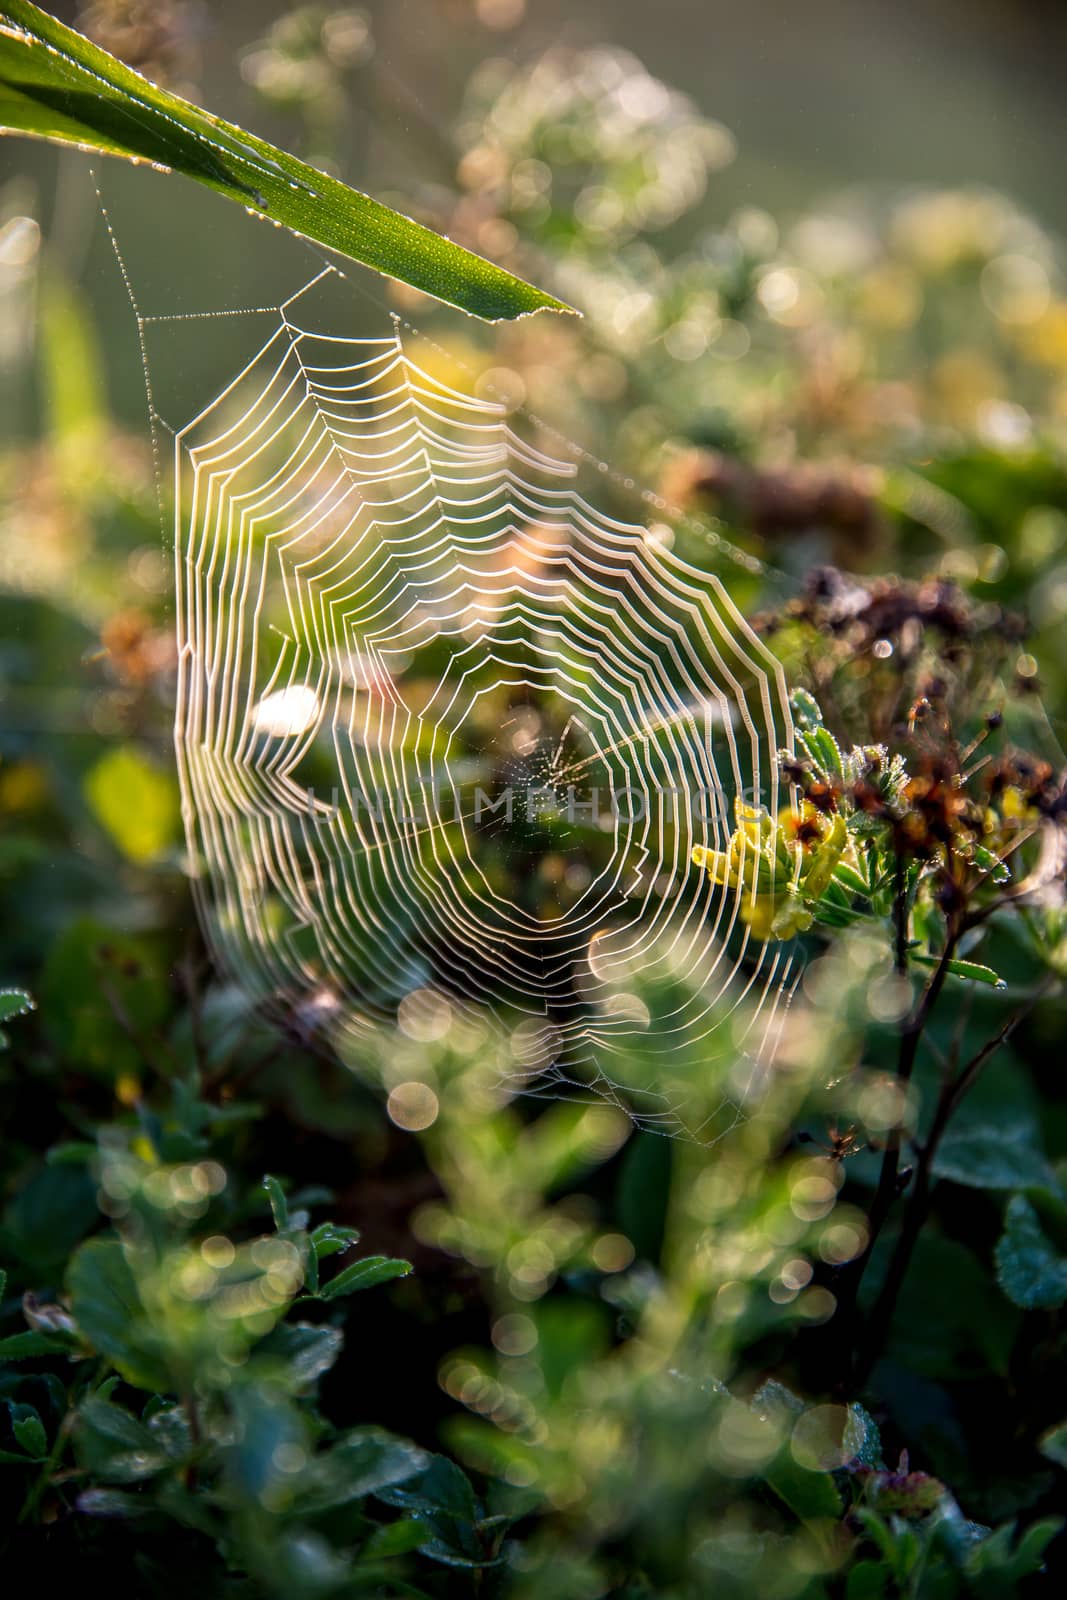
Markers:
(447, 736)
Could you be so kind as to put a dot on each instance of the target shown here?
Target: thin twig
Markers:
(900, 912)
(890, 1177)
(953, 1091)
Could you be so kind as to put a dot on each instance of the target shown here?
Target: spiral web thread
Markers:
(447, 736)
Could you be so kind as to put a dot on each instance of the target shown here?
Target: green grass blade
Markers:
(55, 84)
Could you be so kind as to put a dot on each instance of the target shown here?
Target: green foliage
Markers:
(103, 995)
(1029, 1269)
(363, 1275)
(994, 1156)
(135, 801)
(13, 1003)
(228, 1441)
(820, 1354)
(55, 84)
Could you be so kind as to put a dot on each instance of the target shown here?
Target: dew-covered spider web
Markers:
(447, 736)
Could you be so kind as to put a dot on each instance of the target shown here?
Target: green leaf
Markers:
(1053, 1444)
(49, 1216)
(890, 1540)
(1003, 1565)
(279, 1205)
(266, 1425)
(92, 976)
(806, 709)
(395, 1539)
(114, 1444)
(110, 1315)
(867, 1581)
(1033, 1542)
(111, 1503)
(449, 1556)
(325, 1240)
(991, 1156)
(972, 970)
(1029, 1270)
(135, 801)
(851, 879)
(22, 1346)
(363, 1461)
(570, 1338)
(825, 750)
(55, 84)
(364, 1274)
(807, 1491)
(74, 1153)
(999, 870)
(14, 1003)
(947, 1324)
(310, 1262)
(28, 1429)
(446, 1487)
(808, 1494)
(862, 1442)
(776, 1403)
(71, 367)
(329, 1238)
(304, 1350)
(444, 1500)
(642, 1192)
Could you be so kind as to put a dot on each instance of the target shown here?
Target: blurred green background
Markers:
(819, 98)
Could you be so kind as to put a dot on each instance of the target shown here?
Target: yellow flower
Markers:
(1014, 808)
(819, 869)
(774, 862)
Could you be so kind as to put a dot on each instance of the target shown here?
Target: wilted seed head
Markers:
(794, 771)
(805, 830)
(865, 797)
(823, 796)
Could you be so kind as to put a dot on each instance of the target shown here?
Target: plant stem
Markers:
(192, 1416)
(900, 913)
(910, 1037)
(889, 1177)
(952, 1092)
(47, 1472)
